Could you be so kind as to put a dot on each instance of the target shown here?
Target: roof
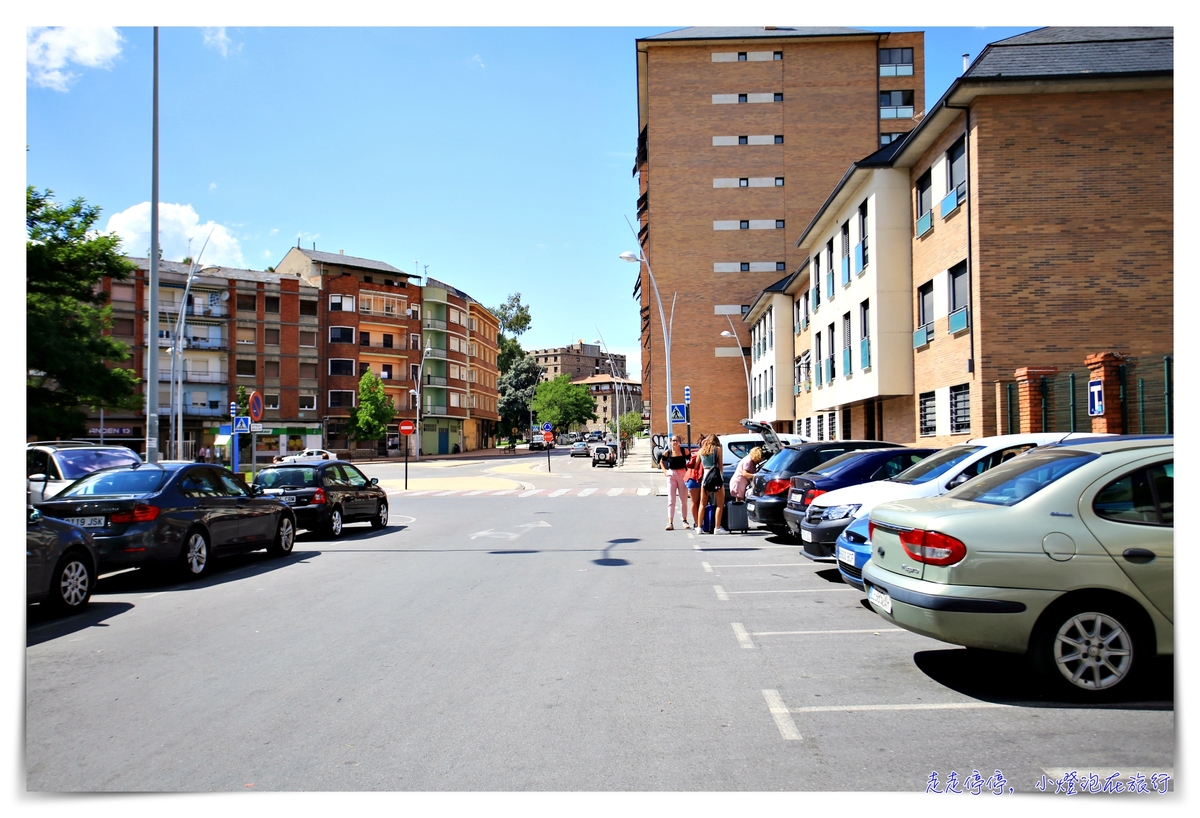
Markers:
(606, 379)
(352, 261)
(235, 273)
(779, 286)
(881, 158)
(1049, 52)
(744, 32)
(433, 282)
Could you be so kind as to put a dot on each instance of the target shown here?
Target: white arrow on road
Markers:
(508, 535)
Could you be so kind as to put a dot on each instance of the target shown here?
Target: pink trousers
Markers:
(677, 484)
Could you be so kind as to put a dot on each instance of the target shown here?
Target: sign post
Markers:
(233, 441)
(255, 406)
(407, 427)
(241, 425)
(687, 403)
(548, 436)
(1095, 399)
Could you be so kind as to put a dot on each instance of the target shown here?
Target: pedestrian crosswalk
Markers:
(588, 492)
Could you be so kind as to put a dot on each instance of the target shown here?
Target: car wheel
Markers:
(333, 528)
(71, 587)
(196, 553)
(380, 519)
(1090, 649)
(285, 538)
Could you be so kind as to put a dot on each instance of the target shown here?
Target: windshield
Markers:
(75, 463)
(836, 464)
(1012, 482)
(935, 465)
(117, 481)
(287, 478)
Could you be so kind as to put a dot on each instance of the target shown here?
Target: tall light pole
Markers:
(417, 392)
(176, 353)
(617, 403)
(152, 330)
(666, 328)
(727, 334)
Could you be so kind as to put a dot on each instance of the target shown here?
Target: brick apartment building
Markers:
(578, 360)
(742, 133)
(614, 397)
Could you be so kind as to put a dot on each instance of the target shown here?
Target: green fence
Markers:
(1145, 394)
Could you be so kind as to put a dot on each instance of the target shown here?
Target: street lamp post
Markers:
(634, 258)
(420, 378)
(727, 334)
(617, 403)
(176, 356)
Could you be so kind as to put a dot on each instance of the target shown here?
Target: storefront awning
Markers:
(221, 440)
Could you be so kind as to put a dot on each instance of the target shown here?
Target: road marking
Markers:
(446, 493)
(783, 719)
(707, 567)
(764, 565)
(720, 593)
(643, 492)
(473, 493)
(499, 493)
(742, 637)
(558, 493)
(798, 591)
(615, 492)
(151, 596)
(586, 492)
(870, 708)
(530, 493)
(807, 633)
(417, 493)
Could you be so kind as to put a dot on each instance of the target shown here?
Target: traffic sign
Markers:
(233, 408)
(548, 437)
(241, 424)
(687, 394)
(407, 427)
(1095, 399)
(547, 427)
(256, 406)
(678, 413)
(256, 427)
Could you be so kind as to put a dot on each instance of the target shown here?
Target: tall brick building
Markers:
(742, 133)
(577, 360)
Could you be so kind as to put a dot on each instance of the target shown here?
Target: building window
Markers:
(742, 98)
(862, 255)
(271, 304)
(820, 427)
(744, 224)
(895, 104)
(308, 339)
(340, 398)
(271, 337)
(928, 414)
(308, 307)
(385, 372)
(364, 339)
(247, 302)
(341, 366)
(122, 326)
(778, 55)
(956, 169)
(889, 138)
(925, 203)
(388, 340)
(778, 181)
(895, 62)
(833, 425)
(741, 56)
(744, 267)
(247, 367)
(270, 369)
(778, 97)
(341, 335)
(816, 281)
(960, 409)
(363, 368)
(245, 335)
(778, 139)
(122, 292)
(779, 266)
(846, 341)
(743, 140)
(308, 403)
(271, 401)
(925, 305)
(960, 297)
(414, 341)
(308, 369)
(744, 182)
(341, 303)
(779, 224)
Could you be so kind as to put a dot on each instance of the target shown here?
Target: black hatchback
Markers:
(172, 514)
(325, 496)
(768, 491)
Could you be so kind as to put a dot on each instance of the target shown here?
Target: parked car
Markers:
(183, 515)
(603, 456)
(308, 456)
(849, 469)
(326, 496)
(1066, 554)
(51, 466)
(734, 447)
(768, 491)
(949, 468)
(536, 443)
(853, 550)
(60, 563)
(579, 449)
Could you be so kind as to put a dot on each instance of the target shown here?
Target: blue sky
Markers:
(499, 157)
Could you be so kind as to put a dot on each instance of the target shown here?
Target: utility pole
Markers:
(152, 329)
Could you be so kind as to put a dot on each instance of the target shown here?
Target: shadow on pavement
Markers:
(1009, 678)
(224, 569)
(615, 562)
(832, 575)
(349, 534)
(41, 625)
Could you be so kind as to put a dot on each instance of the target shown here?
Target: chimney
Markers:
(341, 252)
(966, 62)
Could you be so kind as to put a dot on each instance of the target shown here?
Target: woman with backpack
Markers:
(695, 474)
(713, 483)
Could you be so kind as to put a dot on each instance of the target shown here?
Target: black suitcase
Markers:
(736, 518)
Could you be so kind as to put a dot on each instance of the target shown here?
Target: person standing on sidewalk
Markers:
(674, 466)
(710, 459)
(695, 474)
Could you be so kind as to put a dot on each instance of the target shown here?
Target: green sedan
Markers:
(1065, 553)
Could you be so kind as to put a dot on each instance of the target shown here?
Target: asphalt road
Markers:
(537, 641)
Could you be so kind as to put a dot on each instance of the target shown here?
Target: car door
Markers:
(1133, 517)
(212, 505)
(39, 464)
(40, 541)
(366, 500)
(337, 490)
(256, 518)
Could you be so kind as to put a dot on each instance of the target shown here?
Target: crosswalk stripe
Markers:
(586, 492)
(615, 492)
(558, 493)
(530, 493)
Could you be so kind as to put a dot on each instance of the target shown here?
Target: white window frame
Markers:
(345, 303)
(353, 334)
(312, 403)
(267, 404)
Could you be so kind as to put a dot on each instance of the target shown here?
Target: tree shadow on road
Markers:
(43, 625)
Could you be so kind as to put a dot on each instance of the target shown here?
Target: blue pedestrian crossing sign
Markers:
(1095, 399)
(678, 413)
(687, 394)
(241, 425)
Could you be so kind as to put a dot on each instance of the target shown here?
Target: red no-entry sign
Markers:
(407, 427)
(548, 437)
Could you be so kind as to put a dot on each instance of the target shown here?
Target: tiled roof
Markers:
(352, 261)
(1074, 51)
(179, 268)
(743, 32)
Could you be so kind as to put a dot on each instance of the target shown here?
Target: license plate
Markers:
(880, 598)
(846, 555)
(806, 535)
(86, 522)
(288, 498)
(749, 507)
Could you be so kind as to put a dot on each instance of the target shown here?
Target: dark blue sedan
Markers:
(172, 514)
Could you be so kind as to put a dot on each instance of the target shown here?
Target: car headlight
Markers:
(841, 512)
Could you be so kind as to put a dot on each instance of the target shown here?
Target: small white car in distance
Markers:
(309, 456)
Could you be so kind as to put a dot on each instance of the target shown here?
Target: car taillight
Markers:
(777, 486)
(932, 547)
(871, 531)
(811, 495)
(141, 513)
(318, 498)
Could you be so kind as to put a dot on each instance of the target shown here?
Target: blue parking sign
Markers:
(1095, 399)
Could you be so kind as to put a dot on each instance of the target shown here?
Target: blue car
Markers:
(853, 549)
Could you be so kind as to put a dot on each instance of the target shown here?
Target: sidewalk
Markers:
(471, 455)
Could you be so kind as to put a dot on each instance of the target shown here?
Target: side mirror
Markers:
(256, 489)
(35, 516)
(374, 481)
(958, 481)
(41, 478)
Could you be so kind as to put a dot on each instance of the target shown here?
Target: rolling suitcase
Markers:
(706, 525)
(736, 518)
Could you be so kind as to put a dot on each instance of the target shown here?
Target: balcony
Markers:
(864, 354)
(846, 362)
(959, 320)
(829, 373)
(896, 112)
(951, 202)
(431, 409)
(206, 343)
(896, 70)
(434, 323)
(846, 268)
(925, 223)
(435, 352)
(435, 380)
(216, 311)
(922, 336)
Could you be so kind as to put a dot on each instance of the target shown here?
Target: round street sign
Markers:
(255, 404)
(548, 437)
(407, 427)
(547, 427)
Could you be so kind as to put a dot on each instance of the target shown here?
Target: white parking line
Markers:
(558, 493)
(615, 492)
(707, 567)
(865, 708)
(506, 491)
(720, 593)
(742, 637)
(779, 712)
(446, 493)
(798, 591)
(586, 492)
(808, 633)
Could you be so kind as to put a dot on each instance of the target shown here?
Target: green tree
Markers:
(375, 409)
(517, 387)
(513, 316)
(68, 356)
(243, 401)
(510, 352)
(562, 403)
(631, 423)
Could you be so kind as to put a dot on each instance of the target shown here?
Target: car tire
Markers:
(1115, 641)
(333, 526)
(197, 554)
(285, 538)
(381, 517)
(72, 583)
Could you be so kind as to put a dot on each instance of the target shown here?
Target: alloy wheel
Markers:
(287, 536)
(197, 553)
(1093, 651)
(73, 586)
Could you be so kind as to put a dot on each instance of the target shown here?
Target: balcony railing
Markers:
(431, 409)
(896, 112)
(436, 352)
(435, 380)
(950, 203)
(434, 323)
(218, 311)
(922, 336)
(846, 267)
(895, 70)
(864, 354)
(846, 361)
(860, 256)
(959, 320)
(829, 289)
(925, 223)
(206, 343)
(820, 374)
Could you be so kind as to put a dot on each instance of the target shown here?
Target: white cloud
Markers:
(478, 61)
(176, 225)
(49, 53)
(212, 185)
(267, 254)
(218, 40)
